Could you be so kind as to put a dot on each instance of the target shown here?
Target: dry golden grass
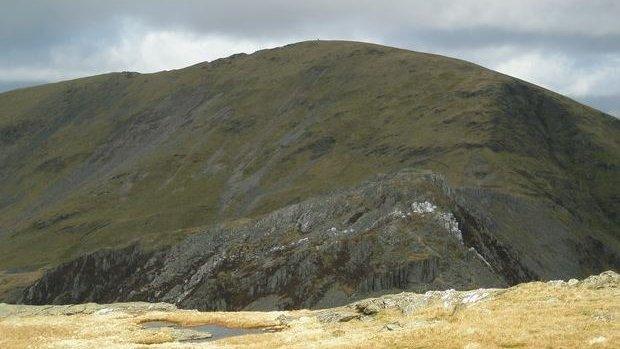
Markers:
(531, 315)
(534, 315)
(244, 319)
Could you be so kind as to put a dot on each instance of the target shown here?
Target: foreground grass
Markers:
(534, 315)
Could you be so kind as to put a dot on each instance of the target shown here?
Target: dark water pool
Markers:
(217, 331)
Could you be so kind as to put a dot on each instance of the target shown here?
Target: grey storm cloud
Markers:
(569, 46)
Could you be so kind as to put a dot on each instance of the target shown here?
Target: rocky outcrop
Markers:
(99, 276)
(407, 231)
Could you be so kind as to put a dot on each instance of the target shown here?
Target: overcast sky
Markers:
(569, 46)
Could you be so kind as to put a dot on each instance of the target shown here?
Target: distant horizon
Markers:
(607, 104)
(571, 47)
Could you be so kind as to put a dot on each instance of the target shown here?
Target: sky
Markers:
(569, 46)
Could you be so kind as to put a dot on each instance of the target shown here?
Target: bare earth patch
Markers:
(578, 314)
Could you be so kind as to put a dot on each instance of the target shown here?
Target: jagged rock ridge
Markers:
(408, 231)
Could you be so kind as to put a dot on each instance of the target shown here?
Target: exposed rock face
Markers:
(90, 277)
(408, 231)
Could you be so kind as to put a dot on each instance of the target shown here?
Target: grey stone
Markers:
(393, 326)
(367, 308)
(186, 335)
(337, 316)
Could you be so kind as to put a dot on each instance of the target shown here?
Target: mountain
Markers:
(348, 168)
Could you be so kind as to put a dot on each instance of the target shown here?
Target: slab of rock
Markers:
(337, 316)
(367, 308)
(189, 335)
(393, 326)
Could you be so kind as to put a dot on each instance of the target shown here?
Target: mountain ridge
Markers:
(106, 160)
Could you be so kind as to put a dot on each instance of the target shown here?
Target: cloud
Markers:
(564, 74)
(138, 48)
(146, 49)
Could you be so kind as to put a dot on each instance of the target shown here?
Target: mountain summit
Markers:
(305, 175)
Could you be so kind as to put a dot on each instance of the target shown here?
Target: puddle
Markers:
(217, 331)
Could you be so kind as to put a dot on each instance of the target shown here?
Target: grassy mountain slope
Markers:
(103, 161)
